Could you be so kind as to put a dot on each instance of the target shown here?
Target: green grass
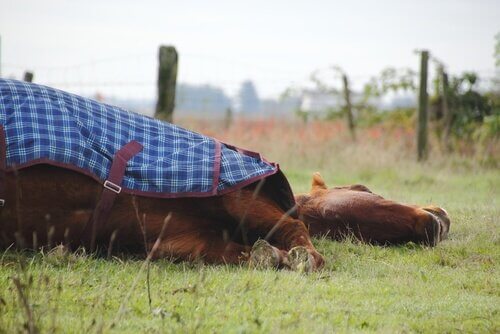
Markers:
(454, 287)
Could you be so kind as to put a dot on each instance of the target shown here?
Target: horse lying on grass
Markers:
(90, 190)
(62, 201)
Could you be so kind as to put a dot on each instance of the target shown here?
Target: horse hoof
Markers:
(430, 230)
(263, 255)
(299, 259)
(442, 218)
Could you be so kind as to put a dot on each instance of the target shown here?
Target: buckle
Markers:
(113, 187)
(2, 202)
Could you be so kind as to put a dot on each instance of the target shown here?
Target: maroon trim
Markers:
(45, 161)
(3, 158)
(245, 151)
(140, 192)
(108, 196)
(252, 154)
(247, 182)
(218, 149)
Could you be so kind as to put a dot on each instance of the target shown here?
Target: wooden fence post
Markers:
(423, 99)
(228, 118)
(167, 77)
(28, 76)
(348, 107)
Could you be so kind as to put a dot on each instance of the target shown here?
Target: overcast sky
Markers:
(111, 45)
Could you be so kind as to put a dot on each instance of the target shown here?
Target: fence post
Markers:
(167, 77)
(28, 76)
(228, 118)
(422, 150)
(348, 106)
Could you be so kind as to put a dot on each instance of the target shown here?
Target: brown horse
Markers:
(48, 205)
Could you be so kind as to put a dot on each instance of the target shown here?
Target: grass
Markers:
(454, 287)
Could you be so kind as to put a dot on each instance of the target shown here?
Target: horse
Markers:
(99, 190)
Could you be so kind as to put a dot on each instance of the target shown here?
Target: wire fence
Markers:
(129, 79)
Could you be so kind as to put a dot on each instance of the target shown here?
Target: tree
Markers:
(337, 73)
(391, 80)
(470, 107)
(248, 100)
(496, 79)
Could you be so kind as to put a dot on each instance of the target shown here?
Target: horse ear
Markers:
(318, 182)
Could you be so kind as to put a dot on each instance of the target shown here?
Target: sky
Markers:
(111, 46)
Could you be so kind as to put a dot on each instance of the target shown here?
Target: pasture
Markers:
(454, 287)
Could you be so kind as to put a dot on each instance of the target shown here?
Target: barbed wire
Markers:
(84, 76)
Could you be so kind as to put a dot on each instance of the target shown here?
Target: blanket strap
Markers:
(3, 158)
(112, 187)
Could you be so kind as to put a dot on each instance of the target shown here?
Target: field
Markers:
(454, 287)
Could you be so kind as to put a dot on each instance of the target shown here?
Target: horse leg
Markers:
(261, 215)
(190, 238)
(190, 246)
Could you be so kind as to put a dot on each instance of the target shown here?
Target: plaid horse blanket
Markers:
(43, 125)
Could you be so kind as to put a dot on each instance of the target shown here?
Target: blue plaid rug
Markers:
(46, 125)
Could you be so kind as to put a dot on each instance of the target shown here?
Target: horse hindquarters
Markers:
(47, 206)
